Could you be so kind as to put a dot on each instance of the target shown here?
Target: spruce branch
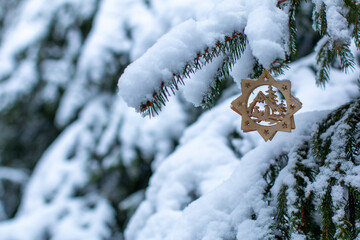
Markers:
(342, 50)
(230, 57)
(232, 47)
(353, 208)
(327, 51)
(353, 19)
(352, 147)
(346, 117)
(292, 27)
(332, 47)
(281, 217)
(302, 219)
(320, 22)
(324, 58)
(272, 173)
(327, 226)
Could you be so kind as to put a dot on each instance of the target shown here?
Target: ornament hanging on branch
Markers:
(266, 105)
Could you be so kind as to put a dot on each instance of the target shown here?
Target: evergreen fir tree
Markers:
(272, 94)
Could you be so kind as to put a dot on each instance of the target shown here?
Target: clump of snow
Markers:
(13, 175)
(337, 25)
(243, 67)
(166, 57)
(266, 32)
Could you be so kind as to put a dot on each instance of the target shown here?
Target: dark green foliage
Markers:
(303, 219)
(321, 147)
(292, 27)
(320, 20)
(327, 226)
(233, 138)
(353, 210)
(300, 219)
(10, 196)
(282, 224)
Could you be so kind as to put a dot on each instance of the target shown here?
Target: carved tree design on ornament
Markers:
(272, 113)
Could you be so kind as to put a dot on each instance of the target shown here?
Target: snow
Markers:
(13, 175)
(20, 84)
(336, 22)
(242, 67)
(266, 32)
(50, 204)
(191, 170)
(233, 193)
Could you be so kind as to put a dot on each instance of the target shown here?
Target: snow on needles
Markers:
(179, 46)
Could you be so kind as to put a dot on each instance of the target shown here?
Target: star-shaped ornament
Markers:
(262, 109)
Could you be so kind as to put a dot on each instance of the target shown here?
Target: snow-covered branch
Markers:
(148, 81)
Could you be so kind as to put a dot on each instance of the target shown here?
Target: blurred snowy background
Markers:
(75, 161)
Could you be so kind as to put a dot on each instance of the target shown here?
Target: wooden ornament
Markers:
(265, 112)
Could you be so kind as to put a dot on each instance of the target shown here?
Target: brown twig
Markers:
(280, 2)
